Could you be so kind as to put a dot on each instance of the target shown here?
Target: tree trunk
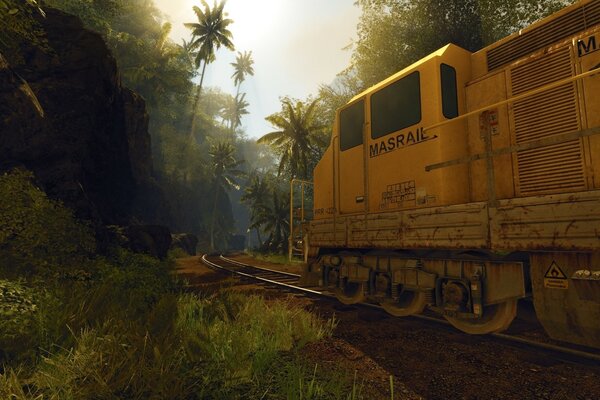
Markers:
(196, 100)
(212, 222)
(259, 238)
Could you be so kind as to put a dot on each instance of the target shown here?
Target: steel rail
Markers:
(269, 281)
(229, 260)
(502, 336)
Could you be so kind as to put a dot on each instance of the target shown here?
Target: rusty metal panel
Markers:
(357, 231)
(383, 228)
(503, 281)
(374, 230)
(553, 222)
(562, 311)
(459, 226)
(322, 232)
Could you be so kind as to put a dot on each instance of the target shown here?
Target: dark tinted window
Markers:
(449, 95)
(352, 120)
(396, 106)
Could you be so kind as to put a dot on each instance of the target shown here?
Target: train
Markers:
(467, 183)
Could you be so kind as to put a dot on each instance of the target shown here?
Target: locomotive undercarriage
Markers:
(476, 293)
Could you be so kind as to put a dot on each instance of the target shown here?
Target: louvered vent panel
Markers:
(549, 169)
(562, 27)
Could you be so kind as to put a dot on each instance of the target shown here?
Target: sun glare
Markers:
(253, 19)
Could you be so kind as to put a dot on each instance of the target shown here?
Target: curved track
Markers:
(290, 282)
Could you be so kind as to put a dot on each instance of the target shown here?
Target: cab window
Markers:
(352, 119)
(449, 92)
(396, 106)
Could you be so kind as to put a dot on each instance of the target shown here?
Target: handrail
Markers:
(291, 237)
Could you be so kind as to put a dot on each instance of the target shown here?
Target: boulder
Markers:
(185, 241)
(154, 240)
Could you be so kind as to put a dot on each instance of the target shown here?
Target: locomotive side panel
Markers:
(493, 122)
(323, 182)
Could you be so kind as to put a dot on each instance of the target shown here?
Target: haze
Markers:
(296, 46)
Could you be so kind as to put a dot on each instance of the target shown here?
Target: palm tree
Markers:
(299, 139)
(256, 197)
(274, 218)
(208, 35)
(189, 53)
(234, 110)
(224, 172)
(243, 66)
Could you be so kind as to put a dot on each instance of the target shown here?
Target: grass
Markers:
(225, 346)
(275, 258)
(77, 325)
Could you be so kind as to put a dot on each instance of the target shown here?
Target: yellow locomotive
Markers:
(468, 181)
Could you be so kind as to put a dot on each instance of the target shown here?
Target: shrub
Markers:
(19, 320)
(37, 234)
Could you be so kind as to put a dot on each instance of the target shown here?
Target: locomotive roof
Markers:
(404, 71)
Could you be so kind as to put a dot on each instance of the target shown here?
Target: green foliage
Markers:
(269, 204)
(18, 24)
(225, 346)
(395, 33)
(234, 110)
(162, 71)
(210, 32)
(224, 168)
(20, 324)
(243, 66)
(208, 35)
(302, 382)
(236, 338)
(37, 233)
(300, 138)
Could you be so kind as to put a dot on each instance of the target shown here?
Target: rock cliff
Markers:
(65, 116)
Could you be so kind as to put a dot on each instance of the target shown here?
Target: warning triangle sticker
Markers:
(554, 272)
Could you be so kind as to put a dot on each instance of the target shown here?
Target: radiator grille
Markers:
(550, 169)
(562, 27)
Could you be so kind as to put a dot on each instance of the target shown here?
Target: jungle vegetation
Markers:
(75, 324)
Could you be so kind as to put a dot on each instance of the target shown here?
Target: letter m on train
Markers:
(585, 47)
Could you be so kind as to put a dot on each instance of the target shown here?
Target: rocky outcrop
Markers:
(154, 240)
(83, 135)
(184, 241)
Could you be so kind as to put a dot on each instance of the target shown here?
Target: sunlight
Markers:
(253, 19)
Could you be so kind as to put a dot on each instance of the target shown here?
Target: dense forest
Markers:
(202, 175)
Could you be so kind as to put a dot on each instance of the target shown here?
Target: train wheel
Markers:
(408, 303)
(496, 318)
(350, 292)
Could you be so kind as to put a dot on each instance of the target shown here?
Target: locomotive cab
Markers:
(466, 182)
(379, 148)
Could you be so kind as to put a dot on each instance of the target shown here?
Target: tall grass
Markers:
(76, 325)
(223, 346)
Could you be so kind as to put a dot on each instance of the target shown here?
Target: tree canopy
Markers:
(395, 33)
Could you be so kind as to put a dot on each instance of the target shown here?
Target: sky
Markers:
(296, 46)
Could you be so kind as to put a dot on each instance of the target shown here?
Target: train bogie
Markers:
(466, 182)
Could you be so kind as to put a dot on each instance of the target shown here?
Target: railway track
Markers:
(290, 282)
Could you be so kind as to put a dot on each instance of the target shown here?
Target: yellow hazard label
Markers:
(555, 278)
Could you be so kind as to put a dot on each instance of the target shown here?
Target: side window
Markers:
(396, 106)
(352, 119)
(449, 91)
